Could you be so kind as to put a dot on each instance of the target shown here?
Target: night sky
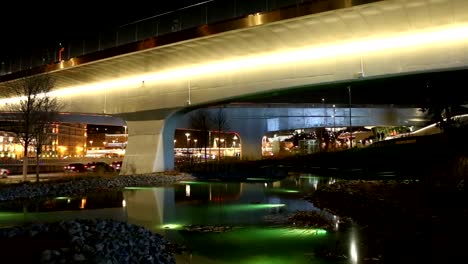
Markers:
(32, 25)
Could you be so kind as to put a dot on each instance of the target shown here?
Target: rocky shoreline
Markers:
(83, 185)
(85, 241)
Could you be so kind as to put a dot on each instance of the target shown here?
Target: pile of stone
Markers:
(207, 228)
(96, 241)
(85, 185)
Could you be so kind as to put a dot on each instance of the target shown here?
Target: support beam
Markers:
(150, 147)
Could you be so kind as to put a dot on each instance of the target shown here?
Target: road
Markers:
(32, 177)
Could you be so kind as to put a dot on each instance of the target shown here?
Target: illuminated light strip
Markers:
(439, 36)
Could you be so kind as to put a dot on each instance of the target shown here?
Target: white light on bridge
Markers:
(385, 43)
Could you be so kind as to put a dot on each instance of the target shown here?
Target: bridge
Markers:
(151, 83)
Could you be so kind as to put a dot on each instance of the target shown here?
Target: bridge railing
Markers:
(206, 12)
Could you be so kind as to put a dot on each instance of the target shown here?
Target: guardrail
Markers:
(193, 16)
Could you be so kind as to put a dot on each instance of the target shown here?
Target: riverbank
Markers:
(74, 185)
(408, 222)
(84, 241)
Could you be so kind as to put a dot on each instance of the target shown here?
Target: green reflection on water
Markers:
(244, 207)
(258, 179)
(138, 188)
(170, 226)
(11, 216)
(281, 190)
(258, 245)
(194, 182)
(309, 177)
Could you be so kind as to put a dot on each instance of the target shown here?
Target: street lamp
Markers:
(334, 116)
(350, 125)
(195, 147)
(216, 140)
(91, 143)
(187, 135)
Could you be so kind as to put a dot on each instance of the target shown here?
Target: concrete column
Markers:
(251, 131)
(150, 147)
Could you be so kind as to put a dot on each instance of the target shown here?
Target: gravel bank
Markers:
(84, 185)
(85, 241)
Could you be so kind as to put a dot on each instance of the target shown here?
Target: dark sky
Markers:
(28, 25)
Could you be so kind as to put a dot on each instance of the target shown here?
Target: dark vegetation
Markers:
(438, 160)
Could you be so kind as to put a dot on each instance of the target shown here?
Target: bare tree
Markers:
(32, 111)
(221, 124)
(42, 129)
(201, 121)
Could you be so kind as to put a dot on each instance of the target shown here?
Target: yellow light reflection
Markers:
(83, 203)
(446, 35)
(124, 203)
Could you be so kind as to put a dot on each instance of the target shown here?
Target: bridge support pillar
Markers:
(251, 132)
(150, 147)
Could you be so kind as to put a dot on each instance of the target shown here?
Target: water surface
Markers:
(252, 215)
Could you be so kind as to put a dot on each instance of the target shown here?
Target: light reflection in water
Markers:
(171, 210)
(353, 252)
(83, 203)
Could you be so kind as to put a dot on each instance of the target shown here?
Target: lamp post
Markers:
(334, 116)
(222, 145)
(188, 139)
(195, 147)
(350, 124)
(216, 140)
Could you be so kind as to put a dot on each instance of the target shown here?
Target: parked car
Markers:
(4, 172)
(116, 165)
(75, 167)
(99, 167)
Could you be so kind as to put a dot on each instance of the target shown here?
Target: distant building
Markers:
(7, 145)
(106, 141)
(65, 140)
